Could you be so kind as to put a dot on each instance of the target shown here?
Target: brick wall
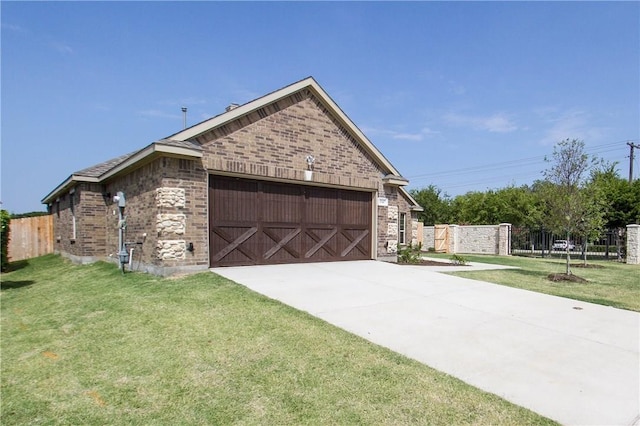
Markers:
(84, 205)
(274, 142)
(91, 220)
(148, 206)
(166, 198)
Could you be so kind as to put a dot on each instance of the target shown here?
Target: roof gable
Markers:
(307, 84)
(183, 143)
(101, 172)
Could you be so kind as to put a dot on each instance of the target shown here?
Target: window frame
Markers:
(402, 228)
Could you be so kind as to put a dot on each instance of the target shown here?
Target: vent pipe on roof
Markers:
(231, 106)
(184, 117)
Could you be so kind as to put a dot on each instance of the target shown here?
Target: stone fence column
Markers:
(633, 244)
(504, 239)
(420, 233)
(453, 238)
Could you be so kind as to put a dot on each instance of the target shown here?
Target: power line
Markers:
(472, 177)
(598, 149)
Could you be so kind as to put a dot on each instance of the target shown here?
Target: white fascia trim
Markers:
(346, 121)
(309, 83)
(395, 180)
(68, 183)
(152, 149)
(415, 207)
(155, 148)
(245, 109)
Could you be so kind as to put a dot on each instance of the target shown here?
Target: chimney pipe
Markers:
(231, 106)
(184, 117)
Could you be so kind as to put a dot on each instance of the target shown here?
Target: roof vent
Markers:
(231, 106)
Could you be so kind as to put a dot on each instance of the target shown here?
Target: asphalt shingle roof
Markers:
(99, 169)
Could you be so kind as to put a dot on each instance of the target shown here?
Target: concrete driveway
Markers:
(574, 362)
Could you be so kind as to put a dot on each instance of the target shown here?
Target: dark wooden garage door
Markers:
(255, 222)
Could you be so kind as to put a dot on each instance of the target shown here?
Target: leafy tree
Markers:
(436, 205)
(474, 208)
(573, 205)
(622, 206)
(5, 219)
(519, 206)
(28, 214)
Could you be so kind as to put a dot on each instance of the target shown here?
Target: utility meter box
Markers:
(123, 256)
(120, 199)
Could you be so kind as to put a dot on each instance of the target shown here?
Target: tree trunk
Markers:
(568, 271)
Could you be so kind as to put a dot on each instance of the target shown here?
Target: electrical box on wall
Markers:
(119, 198)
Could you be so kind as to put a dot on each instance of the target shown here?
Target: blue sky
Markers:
(462, 95)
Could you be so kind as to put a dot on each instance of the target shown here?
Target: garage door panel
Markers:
(235, 199)
(321, 205)
(355, 208)
(320, 243)
(234, 244)
(259, 222)
(354, 242)
(280, 203)
(281, 244)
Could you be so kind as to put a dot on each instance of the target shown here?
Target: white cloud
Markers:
(425, 132)
(407, 136)
(61, 47)
(13, 27)
(571, 124)
(496, 123)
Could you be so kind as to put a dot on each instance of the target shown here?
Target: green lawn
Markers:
(610, 283)
(87, 345)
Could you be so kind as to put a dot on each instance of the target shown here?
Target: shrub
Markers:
(410, 253)
(456, 259)
(5, 219)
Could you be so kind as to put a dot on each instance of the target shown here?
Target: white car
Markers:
(562, 245)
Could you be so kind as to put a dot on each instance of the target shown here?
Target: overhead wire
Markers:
(522, 164)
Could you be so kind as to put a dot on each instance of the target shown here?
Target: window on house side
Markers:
(402, 228)
(73, 217)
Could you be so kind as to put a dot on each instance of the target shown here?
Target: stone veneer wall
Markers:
(165, 210)
(633, 244)
(388, 223)
(428, 237)
(474, 239)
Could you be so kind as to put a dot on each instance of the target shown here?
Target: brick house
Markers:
(287, 177)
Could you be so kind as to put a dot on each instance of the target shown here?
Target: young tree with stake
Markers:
(572, 204)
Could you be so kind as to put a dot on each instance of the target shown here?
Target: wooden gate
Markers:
(441, 238)
(260, 222)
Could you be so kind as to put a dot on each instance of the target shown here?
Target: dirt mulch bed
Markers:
(564, 277)
(588, 266)
(424, 262)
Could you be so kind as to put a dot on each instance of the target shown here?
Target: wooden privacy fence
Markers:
(30, 237)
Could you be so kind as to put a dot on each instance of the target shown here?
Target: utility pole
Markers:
(631, 158)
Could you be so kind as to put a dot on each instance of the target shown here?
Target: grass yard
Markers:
(611, 283)
(87, 345)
